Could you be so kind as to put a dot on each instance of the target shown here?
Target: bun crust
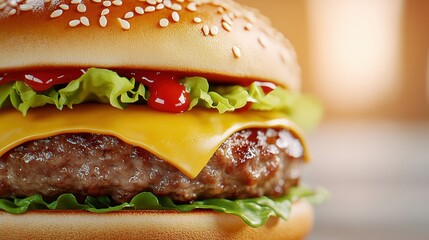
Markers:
(152, 225)
(240, 43)
(221, 40)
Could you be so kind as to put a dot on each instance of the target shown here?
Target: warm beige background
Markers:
(367, 60)
(290, 17)
(402, 82)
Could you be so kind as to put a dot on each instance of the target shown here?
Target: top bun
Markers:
(219, 39)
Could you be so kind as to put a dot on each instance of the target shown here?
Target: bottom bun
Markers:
(43, 224)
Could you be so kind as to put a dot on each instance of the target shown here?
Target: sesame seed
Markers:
(164, 22)
(124, 24)
(74, 23)
(151, 2)
(175, 16)
(56, 13)
(25, 7)
(76, 1)
(12, 3)
(3, 5)
(236, 51)
(176, 7)
(227, 19)
(214, 30)
(117, 2)
(282, 57)
(103, 21)
(160, 6)
(286, 56)
(107, 3)
(250, 17)
(226, 26)
(248, 26)
(167, 3)
(97, 1)
(192, 7)
(81, 8)
(263, 41)
(238, 14)
(232, 15)
(206, 30)
(197, 20)
(129, 15)
(150, 9)
(12, 12)
(139, 10)
(105, 12)
(159, 1)
(64, 7)
(84, 20)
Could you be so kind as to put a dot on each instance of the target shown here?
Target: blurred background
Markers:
(368, 62)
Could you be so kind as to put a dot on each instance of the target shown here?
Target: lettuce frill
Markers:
(106, 86)
(254, 212)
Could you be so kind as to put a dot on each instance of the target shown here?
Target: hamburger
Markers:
(150, 119)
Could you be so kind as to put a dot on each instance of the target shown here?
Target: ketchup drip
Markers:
(165, 92)
(42, 80)
(267, 87)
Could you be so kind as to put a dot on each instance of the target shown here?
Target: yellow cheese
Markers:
(187, 141)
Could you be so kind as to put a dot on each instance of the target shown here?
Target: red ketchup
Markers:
(267, 87)
(42, 80)
(165, 92)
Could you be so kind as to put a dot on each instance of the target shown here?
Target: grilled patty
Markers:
(250, 163)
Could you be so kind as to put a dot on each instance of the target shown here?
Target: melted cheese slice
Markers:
(187, 141)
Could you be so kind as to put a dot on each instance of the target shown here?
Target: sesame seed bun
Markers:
(217, 38)
(152, 225)
(222, 40)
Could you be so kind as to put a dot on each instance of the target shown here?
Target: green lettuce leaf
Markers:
(304, 110)
(224, 99)
(255, 211)
(96, 85)
(106, 86)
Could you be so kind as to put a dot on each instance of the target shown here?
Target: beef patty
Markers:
(250, 163)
